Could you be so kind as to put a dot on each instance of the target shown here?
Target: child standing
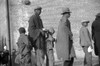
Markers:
(24, 49)
(85, 42)
(50, 45)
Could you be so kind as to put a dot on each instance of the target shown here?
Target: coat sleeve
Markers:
(32, 23)
(27, 42)
(33, 31)
(68, 24)
(86, 35)
(92, 32)
(80, 36)
(20, 41)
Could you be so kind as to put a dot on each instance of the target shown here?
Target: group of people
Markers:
(87, 39)
(42, 41)
(39, 39)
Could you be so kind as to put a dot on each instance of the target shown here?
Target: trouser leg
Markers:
(51, 58)
(85, 60)
(71, 61)
(66, 63)
(40, 58)
(47, 60)
(88, 57)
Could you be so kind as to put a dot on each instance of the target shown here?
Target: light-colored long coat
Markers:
(64, 46)
(85, 37)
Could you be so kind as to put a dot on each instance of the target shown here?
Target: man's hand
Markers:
(45, 30)
(42, 32)
(90, 49)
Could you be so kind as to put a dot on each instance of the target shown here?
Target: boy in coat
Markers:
(85, 42)
(50, 45)
(24, 49)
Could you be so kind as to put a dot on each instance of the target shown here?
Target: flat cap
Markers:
(85, 21)
(98, 14)
(38, 8)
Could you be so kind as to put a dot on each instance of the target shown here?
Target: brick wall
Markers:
(20, 13)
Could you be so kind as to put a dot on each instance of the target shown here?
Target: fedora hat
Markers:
(98, 14)
(85, 21)
(65, 10)
(38, 8)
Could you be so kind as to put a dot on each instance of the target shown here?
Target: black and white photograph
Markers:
(50, 33)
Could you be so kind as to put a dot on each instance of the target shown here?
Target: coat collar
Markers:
(22, 34)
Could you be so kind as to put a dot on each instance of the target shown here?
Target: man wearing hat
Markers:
(86, 43)
(64, 46)
(96, 35)
(36, 35)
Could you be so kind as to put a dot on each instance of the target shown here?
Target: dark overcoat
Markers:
(64, 46)
(35, 24)
(96, 35)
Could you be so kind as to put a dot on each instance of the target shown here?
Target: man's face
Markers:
(68, 15)
(85, 24)
(38, 12)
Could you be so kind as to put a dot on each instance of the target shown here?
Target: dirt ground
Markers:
(79, 62)
(80, 58)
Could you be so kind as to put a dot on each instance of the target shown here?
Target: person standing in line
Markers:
(85, 42)
(96, 35)
(36, 35)
(24, 49)
(50, 45)
(64, 46)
